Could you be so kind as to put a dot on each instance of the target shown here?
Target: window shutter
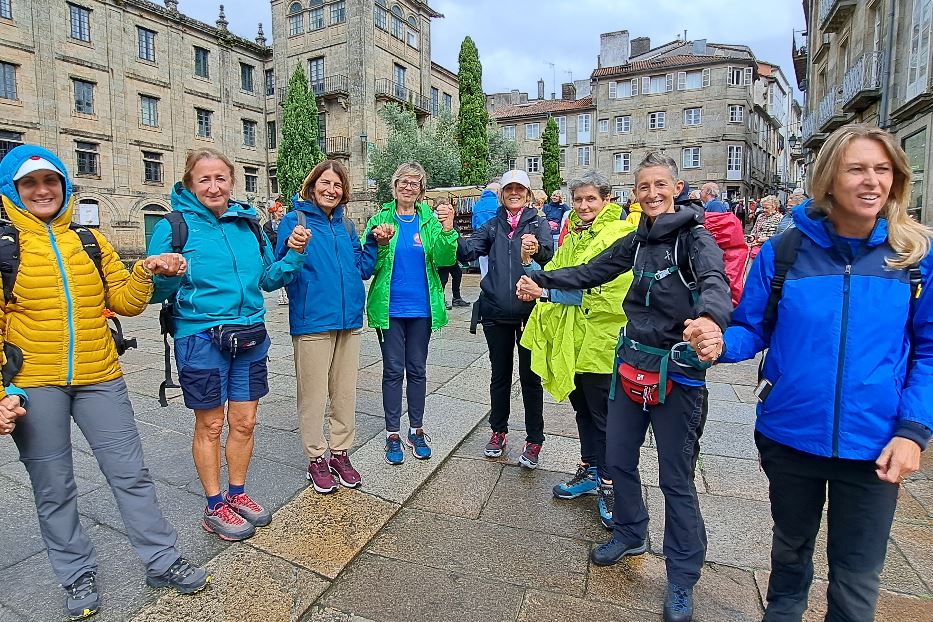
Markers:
(613, 93)
(646, 84)
(706, 77)
(669, 83)
(747, 76)
(634, 86)
(681, 80)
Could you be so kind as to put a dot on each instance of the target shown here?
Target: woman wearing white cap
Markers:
(517, 231)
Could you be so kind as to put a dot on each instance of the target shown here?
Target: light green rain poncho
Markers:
(567, 339)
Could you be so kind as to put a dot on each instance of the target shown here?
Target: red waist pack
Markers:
(642, 387)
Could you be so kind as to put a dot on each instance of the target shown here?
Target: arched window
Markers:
(381, 15)
(296, 19)
(413, 31)
(295, 7)
(413, 22)
(398, 23)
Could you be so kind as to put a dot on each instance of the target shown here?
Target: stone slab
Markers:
(168, 455)
(471, 384)
(8, 615)
(916, 543)
(324, 532)
(326, 614)
(723, 594)
(721, 391)
(734, 477)
(270, 484)
(732, 440)
(20, 538)
(731, 412)
(559, 419)
(737, 373)
(176, 416)
(371, 587)
(459, 488)
(87, 473)
(559, 453)
(247, 584)
(539, 606)
(921, 490)
(463, 546)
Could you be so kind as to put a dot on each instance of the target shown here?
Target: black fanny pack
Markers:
(236, 339)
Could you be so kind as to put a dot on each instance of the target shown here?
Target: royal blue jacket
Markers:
(327, 293)
(850, 356)
(226, 272)
(484, 209)
(554, 212)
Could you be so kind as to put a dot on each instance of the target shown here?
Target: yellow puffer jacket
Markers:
(56, 315)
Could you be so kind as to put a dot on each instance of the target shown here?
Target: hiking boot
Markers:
(496, 445)
(227, 524)
(460, 302)
(584, 482)
(243, 505)
(419, 444)
(678, 606)
(181, 577)
(449, 305)
(613, 551)
(81, 599)
(394, 453)
(605, 502)
(340, 466)
(529, 457)
(320, 476)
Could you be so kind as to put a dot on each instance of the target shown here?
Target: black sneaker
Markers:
(82, 600)
(460, 302)
(613, 551)
(182, 577)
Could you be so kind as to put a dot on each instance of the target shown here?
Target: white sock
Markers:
(412, 430)
(388, 434)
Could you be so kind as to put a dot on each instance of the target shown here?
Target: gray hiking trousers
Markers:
(104, 414)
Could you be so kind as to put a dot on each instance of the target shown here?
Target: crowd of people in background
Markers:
(618, 304)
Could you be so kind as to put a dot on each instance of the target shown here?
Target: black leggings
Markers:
(456, 275)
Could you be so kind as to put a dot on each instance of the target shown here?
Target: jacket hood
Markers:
(611, 212)
(423, 209)
(667, 225)
(311, 208)
(635, 207)
(816, 226)
(11, 163)
(185, 201)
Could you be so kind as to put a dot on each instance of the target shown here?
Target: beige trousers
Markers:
(327, 365)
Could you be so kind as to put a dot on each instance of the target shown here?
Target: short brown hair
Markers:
(307, 187)
(205, 153)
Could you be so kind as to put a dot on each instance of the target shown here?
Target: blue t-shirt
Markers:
(408, 293)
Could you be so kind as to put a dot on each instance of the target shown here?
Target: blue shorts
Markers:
(209, 377)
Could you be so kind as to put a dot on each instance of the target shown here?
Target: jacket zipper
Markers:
(68, 303)
(343, 302)
(236, 270)
(842, 356)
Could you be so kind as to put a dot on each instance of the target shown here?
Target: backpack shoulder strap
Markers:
(785, 246)
(351, 230)
(256, 228)
(9, 258)
(916, 281)
(179, 230)
(92, 248)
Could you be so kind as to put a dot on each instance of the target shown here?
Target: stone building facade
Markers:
(870, 62)
(122, 90)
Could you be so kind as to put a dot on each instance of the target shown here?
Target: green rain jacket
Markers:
(567, 339)
(440, 249)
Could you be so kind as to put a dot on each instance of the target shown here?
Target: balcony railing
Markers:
(336, 146)
(331, 86)
(835, 13)
(862, 83)
(398, 92)
(807, 127)
(829, 115)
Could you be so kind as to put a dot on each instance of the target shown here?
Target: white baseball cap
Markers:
(515, 177)
(35, 163)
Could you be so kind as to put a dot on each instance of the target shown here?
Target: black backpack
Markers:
(9, 269)
(179, 228)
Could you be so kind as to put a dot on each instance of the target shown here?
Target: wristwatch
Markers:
(545, 296)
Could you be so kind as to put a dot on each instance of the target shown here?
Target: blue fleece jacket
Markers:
(484, 209)
(850, 356)
(327, 293)
(226, 272)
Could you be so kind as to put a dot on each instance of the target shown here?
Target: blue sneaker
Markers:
(584, 482)
(613, 551)
(678, 606)
(394, 453)
(419, 444)
(605, 502)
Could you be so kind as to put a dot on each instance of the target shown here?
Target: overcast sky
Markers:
(517, 38)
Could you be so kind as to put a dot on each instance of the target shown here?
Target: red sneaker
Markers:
(340, 466)
(496, 445)
(529, 457)
(320, 476)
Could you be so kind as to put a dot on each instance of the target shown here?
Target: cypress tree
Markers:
(299, 150)
(473, 119)
(550, 158)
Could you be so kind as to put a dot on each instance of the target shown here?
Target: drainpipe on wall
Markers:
(886, 70)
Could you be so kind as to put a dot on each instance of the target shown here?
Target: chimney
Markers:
(514, 97)
(540, 88)
(568, 92)
(613, 48)
(640, 45)
(699, 47)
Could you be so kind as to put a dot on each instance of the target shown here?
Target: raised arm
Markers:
(606, 266)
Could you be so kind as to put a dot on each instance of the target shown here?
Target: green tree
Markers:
(550, 158)
(502, 150)
(433, 146)
(299, 150)
(473, 119)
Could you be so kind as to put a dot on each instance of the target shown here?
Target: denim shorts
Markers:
(209, 377)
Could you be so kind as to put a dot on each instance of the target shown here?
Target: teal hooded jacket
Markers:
(226, 273)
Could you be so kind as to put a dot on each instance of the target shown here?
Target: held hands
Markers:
(10, 411)
(298, 240)
(166, 264)
(527, 290)
(705, 337)
(899, 459)
(529, 247)
(383, 233)
(445, 214)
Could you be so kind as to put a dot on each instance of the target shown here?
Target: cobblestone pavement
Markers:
(458, 537)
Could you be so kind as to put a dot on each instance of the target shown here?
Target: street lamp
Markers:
(792, 141)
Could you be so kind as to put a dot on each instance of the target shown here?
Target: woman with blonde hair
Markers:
(766, 224)
(843, 302)
(406, 300)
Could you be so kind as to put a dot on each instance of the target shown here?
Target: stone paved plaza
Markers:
(458, 537)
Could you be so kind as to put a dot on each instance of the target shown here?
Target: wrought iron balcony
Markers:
(337, 146)
(394, 91)
(332, 86)
(862, 83)
(829, 115)
(835, 13)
